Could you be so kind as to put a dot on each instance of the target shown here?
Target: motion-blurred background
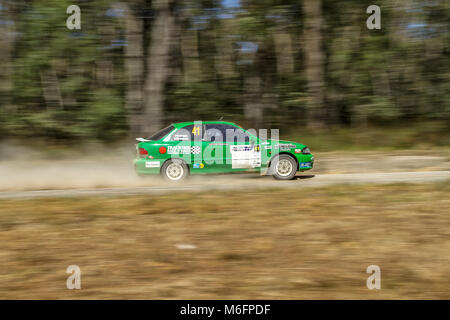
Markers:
(372, 105)
(301, 66)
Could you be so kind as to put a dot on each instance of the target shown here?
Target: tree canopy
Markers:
(135, 66)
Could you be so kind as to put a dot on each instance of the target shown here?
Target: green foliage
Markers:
(72, 84)
(104, 117)
(55, 87)
(195, 101)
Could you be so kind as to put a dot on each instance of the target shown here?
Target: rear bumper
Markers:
(147, 166)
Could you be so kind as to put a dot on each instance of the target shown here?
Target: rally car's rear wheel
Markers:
(174, 170)
(283, 167)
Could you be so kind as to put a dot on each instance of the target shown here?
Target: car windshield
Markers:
(161, 133)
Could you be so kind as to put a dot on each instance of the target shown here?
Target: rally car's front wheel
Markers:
(174, 170)
(283, 167)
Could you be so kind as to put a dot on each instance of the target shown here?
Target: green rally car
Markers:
(202, 147)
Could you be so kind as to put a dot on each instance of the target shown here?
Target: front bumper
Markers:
(306, 162)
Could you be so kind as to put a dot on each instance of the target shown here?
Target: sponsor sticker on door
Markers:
(245, 156)
(179, 150)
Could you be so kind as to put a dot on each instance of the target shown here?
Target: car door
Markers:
(238, 146)
(244, 150)
(186, 144)
(214, 147)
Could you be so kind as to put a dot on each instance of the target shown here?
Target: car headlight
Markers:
(306, 151)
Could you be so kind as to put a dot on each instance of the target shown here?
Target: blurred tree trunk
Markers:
(223, 60)
(253, 107)
(134, 68)
(50, 89)
(189, 51)
(7, 45)
(314, 61)
(157, 66)
(187, 38)
(104, 65)
(253, 76)
(284, 52)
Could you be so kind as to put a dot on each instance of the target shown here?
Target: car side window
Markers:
(183, 134)
(214, 133)
(237, 135)
(225, 133)
(188, 133)
(241, 136)
(218, 132)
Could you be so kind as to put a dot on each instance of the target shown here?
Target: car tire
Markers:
(283, 167)
(174, 170)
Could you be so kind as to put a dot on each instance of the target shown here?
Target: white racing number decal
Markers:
(245, 156)
(152, 164)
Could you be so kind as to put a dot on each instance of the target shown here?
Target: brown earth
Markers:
(270, 244)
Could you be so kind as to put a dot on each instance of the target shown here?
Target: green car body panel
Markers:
(187, 141)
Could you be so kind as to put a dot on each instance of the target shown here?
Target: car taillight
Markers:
(143, 152)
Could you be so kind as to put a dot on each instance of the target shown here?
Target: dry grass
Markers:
(273, 244)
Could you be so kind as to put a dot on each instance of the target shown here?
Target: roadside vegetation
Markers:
(390, 137)
(426, 138)
(262, 244)
(136, 66)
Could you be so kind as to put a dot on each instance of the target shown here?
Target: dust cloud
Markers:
(95, 165)
(90, 166)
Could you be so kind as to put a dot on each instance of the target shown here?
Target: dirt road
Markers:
(238, 182)
(95, 174)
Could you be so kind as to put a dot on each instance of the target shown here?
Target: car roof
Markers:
(183, 124)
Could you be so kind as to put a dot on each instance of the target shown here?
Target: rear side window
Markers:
(188, 133)
(161, 133)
